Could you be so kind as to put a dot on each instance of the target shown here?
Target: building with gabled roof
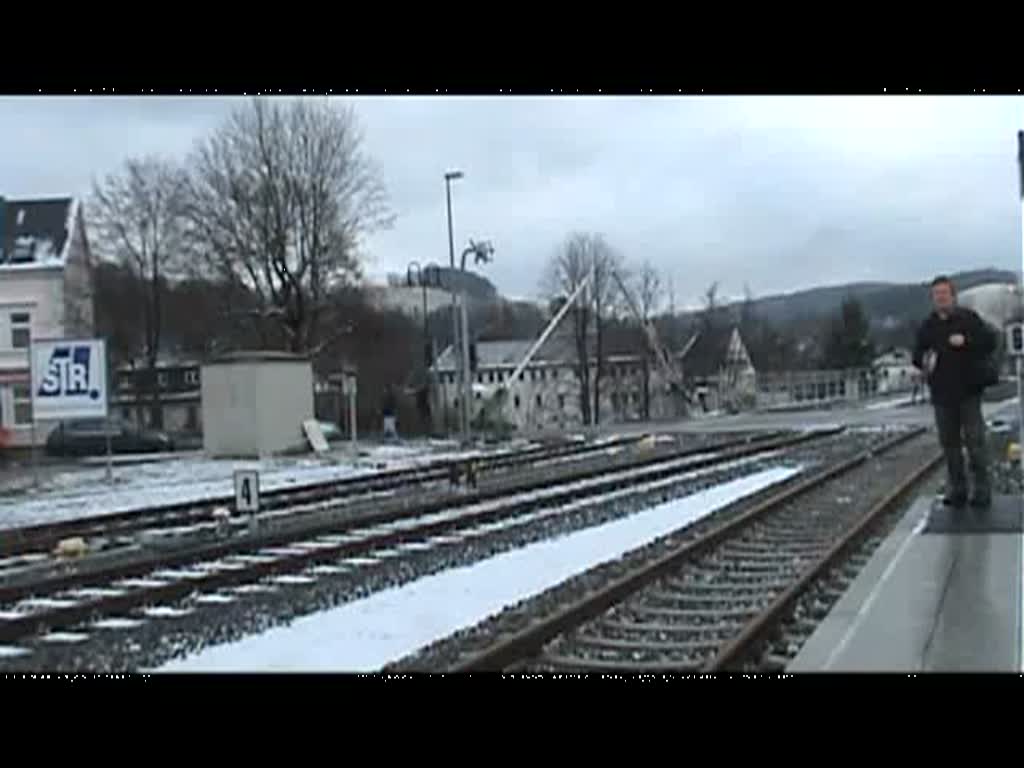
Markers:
(46, 291)
(718, 368)
(547, 393)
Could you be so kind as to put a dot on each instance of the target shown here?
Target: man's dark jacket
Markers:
(959, 373)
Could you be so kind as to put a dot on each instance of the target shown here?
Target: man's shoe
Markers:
(955, 500)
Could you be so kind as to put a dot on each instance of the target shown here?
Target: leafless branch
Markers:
(280, 198)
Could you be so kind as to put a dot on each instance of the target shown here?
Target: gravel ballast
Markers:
(159, 639)
(871, 479)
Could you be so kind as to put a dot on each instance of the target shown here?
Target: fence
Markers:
(795, 388)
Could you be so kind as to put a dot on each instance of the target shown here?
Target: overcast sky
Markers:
(780, 193)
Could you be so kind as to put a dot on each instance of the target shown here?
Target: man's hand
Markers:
(957, 340)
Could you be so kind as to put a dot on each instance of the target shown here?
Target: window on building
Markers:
(161, 379)
(455, 403)
(21, 330)
(561, 401)
(126, 413)
(490, 377)
(480, 378)
(515, 402)
(540, 402)
(192, 378)
(522, 375)
(24, 250)
(22, 404)
(192, 419)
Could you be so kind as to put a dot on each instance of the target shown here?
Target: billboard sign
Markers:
(69, 379)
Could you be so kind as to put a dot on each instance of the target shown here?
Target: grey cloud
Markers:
(780, 193)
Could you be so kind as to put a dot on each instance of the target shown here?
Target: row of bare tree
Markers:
(270, 211)
(255, 238)
(604, 321)
(601, 307)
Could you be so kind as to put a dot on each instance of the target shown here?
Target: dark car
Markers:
(88, 437)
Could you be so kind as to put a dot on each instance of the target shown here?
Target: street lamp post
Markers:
(463, 363)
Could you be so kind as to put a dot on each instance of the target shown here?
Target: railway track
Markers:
(26, 540)
(152, 536)
(718, 601)
(35, 609)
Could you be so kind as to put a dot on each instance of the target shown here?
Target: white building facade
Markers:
(547, 394)
(895, 372)
(45, 292)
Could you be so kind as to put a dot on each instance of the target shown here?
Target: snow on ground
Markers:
(367, 634)
(892, 403)
(190, 479)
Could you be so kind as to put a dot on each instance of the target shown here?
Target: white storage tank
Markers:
(997, 303)
(254, 403)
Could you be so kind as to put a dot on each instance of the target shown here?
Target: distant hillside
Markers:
(888, 305)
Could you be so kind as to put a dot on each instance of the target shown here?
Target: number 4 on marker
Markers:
(247, 491)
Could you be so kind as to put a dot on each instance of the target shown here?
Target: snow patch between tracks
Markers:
(365, 635)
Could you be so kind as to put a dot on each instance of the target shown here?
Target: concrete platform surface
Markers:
(935, 602)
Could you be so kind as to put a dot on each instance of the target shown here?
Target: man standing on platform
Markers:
(952, 351)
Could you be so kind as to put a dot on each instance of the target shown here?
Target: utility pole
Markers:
(467, 385)
(463, 363)
(483, 252)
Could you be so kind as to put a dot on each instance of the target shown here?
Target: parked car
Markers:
(88, 437)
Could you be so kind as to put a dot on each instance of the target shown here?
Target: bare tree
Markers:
(569, 267)
(649, 292)
(137, 216)
(580, 255)
(709, 315)
(280, 198)
(606, 295)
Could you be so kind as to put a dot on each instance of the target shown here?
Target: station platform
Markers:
(943, 593)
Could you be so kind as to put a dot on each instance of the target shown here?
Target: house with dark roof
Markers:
(45, 292)
(718, 369)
